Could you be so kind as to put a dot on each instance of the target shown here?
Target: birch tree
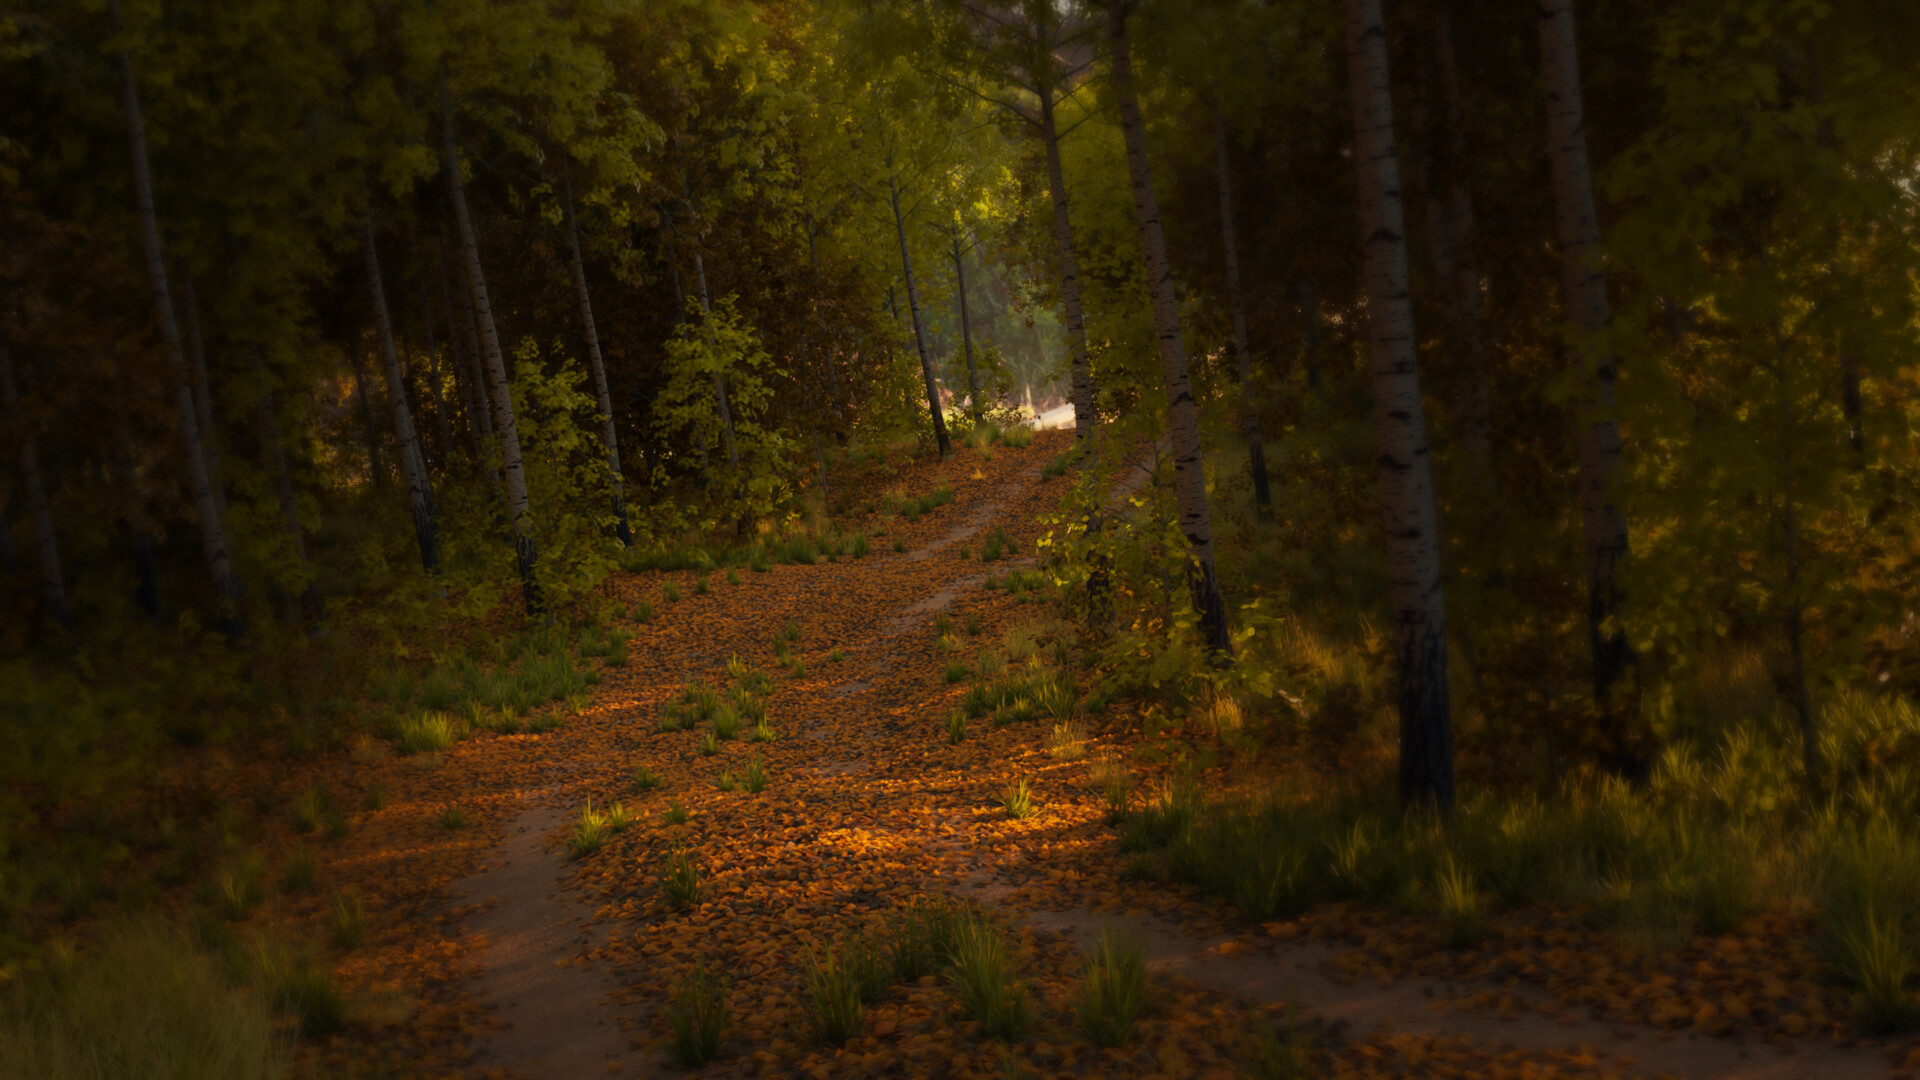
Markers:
(1183, 422)
(1406, 479)
(413, 464)
(1584, 292)
(599, 369)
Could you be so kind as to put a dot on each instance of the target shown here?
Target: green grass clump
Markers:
(700, 586)
(142, 1002)
(833, 1000)
(761, 731)
(425, 733)
(920, 937)
(1113, 990)
(980, 971)
(697, 1013)
(1018, 800)
(349, 925)
(299, 872)
(375, 797)
(644, 780)
(676, 814)
(710, 745)
(237, 888)
(680, 878)
(590, 831)
(727, 782)
(726, 723)
(672, 592)
(861, 547)
(956, 671)
(641, 611)
(313, 807)
(1877, 959)
(997, 544)
(756, 776)
(1459, 904)
(1056, 467)
(957, 727)
(304, 988)
(451, 816)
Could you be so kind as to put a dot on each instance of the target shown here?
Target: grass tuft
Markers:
(1113, 991)
(756, 779)
(957, 727)
(833, 1000)
(680, 878)
(427, 733)
(644, 779)
(349, 926)
(981, 974)
(1018, 799)
(1459, 904)
(697, 1013)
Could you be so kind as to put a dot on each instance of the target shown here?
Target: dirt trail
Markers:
(868, 805)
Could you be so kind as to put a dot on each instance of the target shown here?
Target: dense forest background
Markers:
(1537, 382)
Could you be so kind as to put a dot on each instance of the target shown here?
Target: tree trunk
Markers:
(413, 463)
(1243, 355)
(1079, 366)
(913, 312)
(966, 332)
(1585, 284)
(276, 455)
(1406, 480)
(1471, 405)
(51, 581)
(213, 537)
(719, 379)
(1183, 428)
(376, 468)
(203, 392)
(519, 513)
(599, 367)
(435, 378)
(1310, 332)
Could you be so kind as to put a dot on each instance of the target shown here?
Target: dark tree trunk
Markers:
(913, 310)
(1250, 402)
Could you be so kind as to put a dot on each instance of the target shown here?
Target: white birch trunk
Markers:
(413, 463)
(519, 512)
(1585, 284)
(913, 313)
(1183, 421)
(594, 360)
(213, 538)
(1406, 479)
(1079, 367)
(966, 331)
(51, 582)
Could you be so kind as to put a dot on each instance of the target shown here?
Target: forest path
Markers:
(868, 805)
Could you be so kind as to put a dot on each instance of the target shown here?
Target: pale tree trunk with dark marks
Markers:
(1183, 421)
(966, 332)
(599, 367)
(519, 511)
(463, 339)
(1079, 367)
(52, 584)
(213, 538)
(1406, 477)
(913, 313)
(1250, 401)
(1585, 284)
(413, 464)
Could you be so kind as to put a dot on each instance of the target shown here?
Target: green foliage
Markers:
(756, 779)
(676, 813)
(565, 467)
(1018, 800)
(1113, 990)
(697, 1015)
(920, 937)
(833, 1000)
(957, 727)
(680, 878)
(425, 733)
(984, 980)
(142, 1002)
(644, 779)
(349, 923)
(721, 349)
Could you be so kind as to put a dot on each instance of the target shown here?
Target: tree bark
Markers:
(966, 332)
(1080, 368)
(52, 584)
(276, 455)
(213, 537)
(1461, 278)
(1183, 428)
(913, 312)
(203, 391)
(719, 378)
(1406, 479)
(519, 512)
(435, 378)
(1243, 355)
(1585, 284)
(413, 463)
(607, 432)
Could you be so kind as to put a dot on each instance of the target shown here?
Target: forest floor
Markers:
(543, 965)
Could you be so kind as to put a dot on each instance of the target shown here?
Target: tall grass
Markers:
(143, 1003)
